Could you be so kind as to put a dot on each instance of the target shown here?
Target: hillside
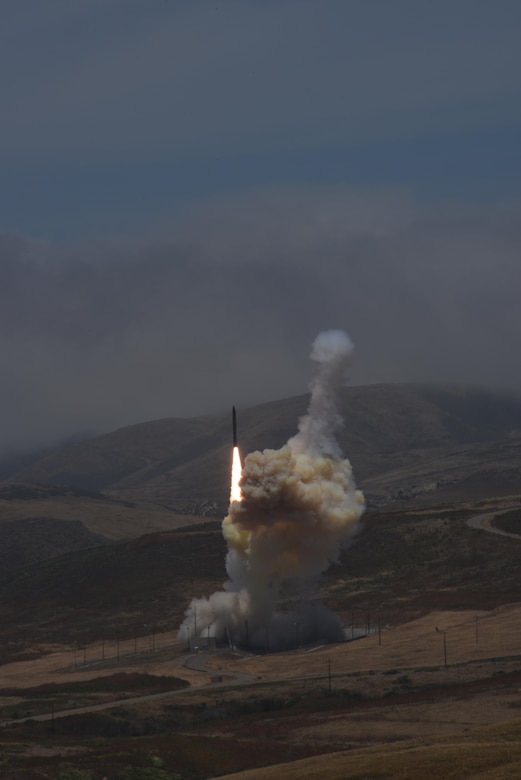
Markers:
(103, 590)
(402, 564)
(95, 583)
(404, 441)
(40, 522)
(37, 539)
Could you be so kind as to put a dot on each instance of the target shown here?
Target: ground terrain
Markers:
(405, 690)
(404, 563)
(104, 543)
(428, 442)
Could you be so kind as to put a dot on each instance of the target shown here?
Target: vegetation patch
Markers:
(54, 697)
(509, 521)
(114, 683)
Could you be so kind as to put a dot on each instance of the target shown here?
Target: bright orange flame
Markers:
(235, 491)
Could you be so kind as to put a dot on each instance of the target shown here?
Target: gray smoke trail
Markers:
(299, 505)
(331, 350)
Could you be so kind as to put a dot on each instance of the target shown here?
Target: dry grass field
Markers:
(406, 701)
(413, 644)
(392, 706)
(492, 753)
(94, 684)
(111, 519)
(414, 647)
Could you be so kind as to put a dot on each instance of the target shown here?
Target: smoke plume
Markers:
(298, 506)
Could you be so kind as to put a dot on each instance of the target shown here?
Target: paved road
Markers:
(197, 662)
(483, 522)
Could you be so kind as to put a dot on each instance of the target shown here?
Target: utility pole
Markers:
(444, 644)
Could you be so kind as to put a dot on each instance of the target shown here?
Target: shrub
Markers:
(74, 774)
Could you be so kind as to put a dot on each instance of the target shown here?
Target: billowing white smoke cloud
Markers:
(299, 506)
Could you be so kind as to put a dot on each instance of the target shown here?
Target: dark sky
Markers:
(191, 191)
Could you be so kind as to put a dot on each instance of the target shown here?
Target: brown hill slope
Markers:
(403, 440)
(40, 522)
(37, 539)
(108, 518)
(403, 563)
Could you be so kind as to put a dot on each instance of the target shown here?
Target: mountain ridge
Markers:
(183, 463)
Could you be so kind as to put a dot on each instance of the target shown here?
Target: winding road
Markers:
(483, 522)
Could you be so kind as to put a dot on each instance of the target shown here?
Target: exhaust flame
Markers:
(291, 512)
(235, 488)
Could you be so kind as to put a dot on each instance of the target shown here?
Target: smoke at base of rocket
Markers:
(291, 512)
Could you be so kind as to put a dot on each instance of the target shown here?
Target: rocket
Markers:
(234, 426)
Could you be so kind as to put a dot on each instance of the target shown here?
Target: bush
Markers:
(74, 774)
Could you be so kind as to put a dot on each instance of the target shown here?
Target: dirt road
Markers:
(484, 522)
(197, 662)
